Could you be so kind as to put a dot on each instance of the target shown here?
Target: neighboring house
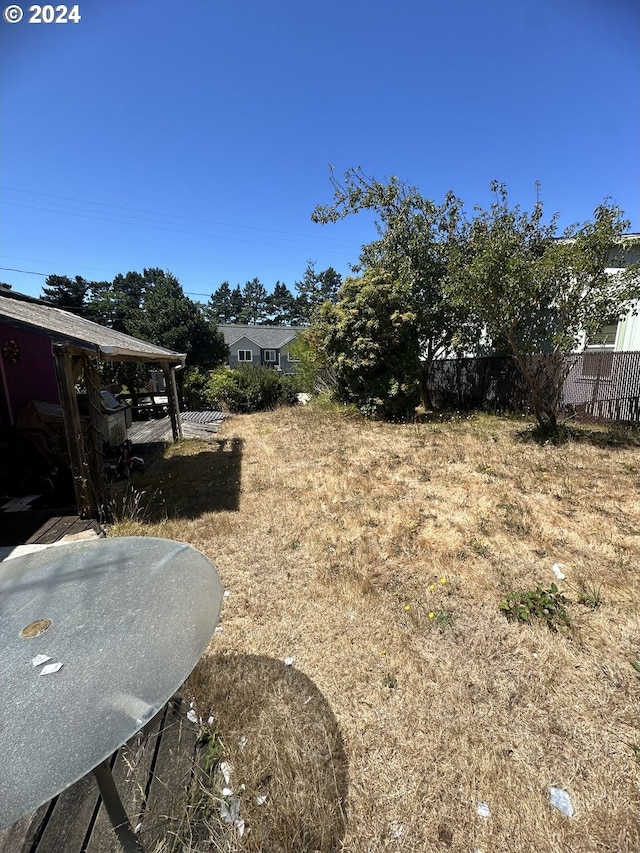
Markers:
(603, 377)
(44, 353)
(620, 334)
(261, 346)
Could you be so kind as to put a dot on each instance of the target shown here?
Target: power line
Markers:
(156, 227)
(28, 272)
(206, 222)
(46, 275)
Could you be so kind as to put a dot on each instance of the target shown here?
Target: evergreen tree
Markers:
(255, 302)
(281, 305)
(315, 289)
(220, 308)
(68, 294)
(237, 305)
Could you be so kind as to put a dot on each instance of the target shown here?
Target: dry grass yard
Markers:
(375, 556)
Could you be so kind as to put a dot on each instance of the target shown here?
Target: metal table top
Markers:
(129, 619)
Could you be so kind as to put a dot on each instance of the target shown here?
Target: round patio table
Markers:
(128, 618)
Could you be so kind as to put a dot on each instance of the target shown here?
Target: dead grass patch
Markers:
(376, 555)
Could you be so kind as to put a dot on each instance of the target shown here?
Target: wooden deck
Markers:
(43, 527)
(201, 425)
(159, 779)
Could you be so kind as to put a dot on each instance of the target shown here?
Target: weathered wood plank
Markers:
(131, 776)
(154, 780)
(57, 530)
(22, 835)
(164, 820)
(150, 432)
(69, 820)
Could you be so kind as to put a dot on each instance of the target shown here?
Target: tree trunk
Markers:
(425, 394)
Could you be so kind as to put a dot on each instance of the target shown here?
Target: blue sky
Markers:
(196, 135)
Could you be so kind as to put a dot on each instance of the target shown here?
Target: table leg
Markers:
(115, 809)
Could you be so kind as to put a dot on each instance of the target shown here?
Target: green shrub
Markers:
(195, 394)
(250, 389)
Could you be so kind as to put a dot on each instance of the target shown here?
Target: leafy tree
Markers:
(316, 288)
(281, 305)
(416, 236)
(314, 369)
(537, 294)
(370, 339)
(172, 320)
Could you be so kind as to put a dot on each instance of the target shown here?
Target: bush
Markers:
(195, 394)
(251, 389)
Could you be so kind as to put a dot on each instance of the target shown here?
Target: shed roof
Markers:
(66, 328)
(266, 337)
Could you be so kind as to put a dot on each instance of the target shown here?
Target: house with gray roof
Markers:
(261, 346)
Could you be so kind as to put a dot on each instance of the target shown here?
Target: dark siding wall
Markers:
(33, 376)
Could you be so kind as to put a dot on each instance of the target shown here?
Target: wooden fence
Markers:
(600, 385)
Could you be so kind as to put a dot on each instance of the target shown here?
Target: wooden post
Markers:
(80, 470)
(94, 399)
(169, 372)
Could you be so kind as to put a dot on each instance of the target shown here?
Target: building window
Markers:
(606, 334)
(245, 355)
(270, 356)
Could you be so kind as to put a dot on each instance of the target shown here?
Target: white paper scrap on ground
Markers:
(50, 667)
(289, 661)
(38, 660)
(396, 828)
(244, 740)
(230, 811)
(561, 801)
(557, 568)
(192, 716)
(239, 825)
(227, 792)
(226, 772)
(483, 810)
(261, 799)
